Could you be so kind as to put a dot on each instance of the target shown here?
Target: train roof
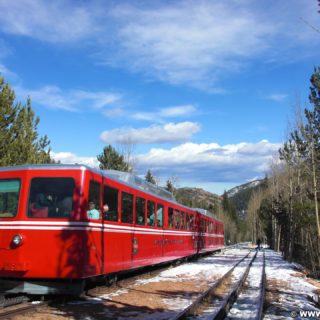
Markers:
(126, 178)
(122, 177)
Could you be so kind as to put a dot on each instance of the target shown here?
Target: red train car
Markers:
(56, 234)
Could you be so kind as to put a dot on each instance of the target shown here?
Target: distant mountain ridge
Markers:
(249, 185)
(240, 195)
(200, 198)
(197, 198)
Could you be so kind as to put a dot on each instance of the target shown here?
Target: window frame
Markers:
(132, 207)
(71, 214)
(157, 209)
(144, 210)
(18, 201)
(170, 218)
(115, 213)
(154, 213)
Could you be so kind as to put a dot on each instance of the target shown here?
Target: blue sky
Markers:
(197, 90)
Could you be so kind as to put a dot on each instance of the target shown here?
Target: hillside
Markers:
(198, 198)
(240, 195)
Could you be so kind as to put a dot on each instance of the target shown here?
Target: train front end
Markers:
(41, 245)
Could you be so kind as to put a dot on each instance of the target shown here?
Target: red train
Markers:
(56, 232)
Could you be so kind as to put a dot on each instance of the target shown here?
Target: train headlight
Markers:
(17, 240)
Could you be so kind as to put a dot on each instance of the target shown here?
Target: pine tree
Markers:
(307, 140)
(7, 116)
(19, 139)
(150, 177)
(312, 130)
(170, 187)
(111, 159)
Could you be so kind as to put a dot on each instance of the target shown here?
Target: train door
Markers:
(160, 223)
(95, 228)
(138, 246)
(127, 237)
(111, 225)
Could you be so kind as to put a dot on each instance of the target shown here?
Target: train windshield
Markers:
(51, 198)
(9, 197)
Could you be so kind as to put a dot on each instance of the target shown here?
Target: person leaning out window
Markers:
(93, 213)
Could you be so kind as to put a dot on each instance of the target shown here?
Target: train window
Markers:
(151, 213)
(170, 217)
(127, 208)
(110, 197)
(51, 198)
(183, 215)
(9, 197)
(140, 211)
(191, 221)
(94, 200)
(187, 221)
(177, 219)
(160, 215)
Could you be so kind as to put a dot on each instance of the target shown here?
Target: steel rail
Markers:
(257, 313)
(20, 309)
(193, 306)
(262, 288)
(230, 298)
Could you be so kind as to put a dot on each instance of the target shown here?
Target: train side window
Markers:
(159, 215)
(51, 198)
(151, 213)
(127, 208)
(177, 219)
(9, 197)
(110, 197)
(182, 219)
(202, 225)
(94, 200)
(140, 211)
(170, 217)
(191, 221)
(187, 221)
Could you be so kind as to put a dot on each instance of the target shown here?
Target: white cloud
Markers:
(277, 97)
(167, 133)
(211, 162)
(71, 158)
(72, 100)
(164, 113)
(115, 112)
(49, 21)
(201, 165)
(198, 43)
(195, 43)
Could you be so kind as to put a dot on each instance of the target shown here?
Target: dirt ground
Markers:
(153, 300)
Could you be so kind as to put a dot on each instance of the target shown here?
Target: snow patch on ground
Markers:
(287, 289)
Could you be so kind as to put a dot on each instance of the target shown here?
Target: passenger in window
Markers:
(40, 207)
(93, 213)
(64, 207)
(105, 210)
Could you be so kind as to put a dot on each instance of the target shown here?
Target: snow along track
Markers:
(249, 304)
(216, 301)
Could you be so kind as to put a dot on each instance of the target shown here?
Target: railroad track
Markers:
(215, 302)
(18, 305)
(250, 300)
